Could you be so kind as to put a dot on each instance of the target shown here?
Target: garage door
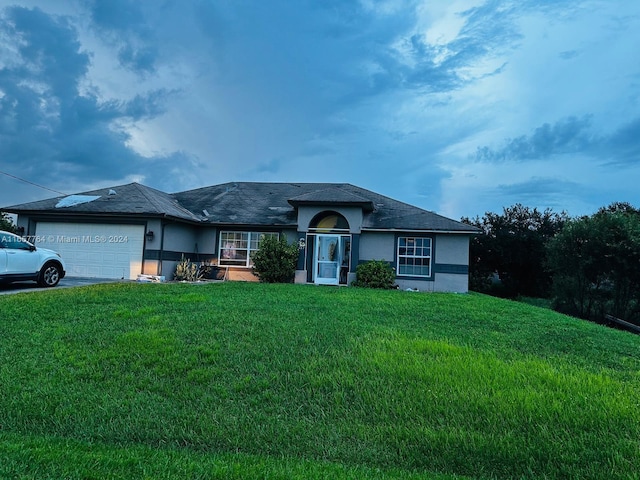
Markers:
(95, 250)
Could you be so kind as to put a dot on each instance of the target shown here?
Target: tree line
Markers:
(587, 266)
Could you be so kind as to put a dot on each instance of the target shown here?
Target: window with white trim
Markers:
(414, 257)
(236, 247)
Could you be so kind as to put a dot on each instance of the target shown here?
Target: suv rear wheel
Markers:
(49, 275)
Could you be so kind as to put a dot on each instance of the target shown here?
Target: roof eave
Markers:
(57, 213)
(251, 225)
(366, 206)
(418, 230)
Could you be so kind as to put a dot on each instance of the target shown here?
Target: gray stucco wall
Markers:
(180, 238)
(452, 249)
(377, 246)
(352, 214)
(206, 239)
(154, 225)
(291, 235)
(450, 253)
(447, 282)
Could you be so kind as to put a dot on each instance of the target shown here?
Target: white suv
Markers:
(21, 260)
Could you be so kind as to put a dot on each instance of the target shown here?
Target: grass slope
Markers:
(240, 380)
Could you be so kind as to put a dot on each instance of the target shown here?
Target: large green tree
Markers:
(508, 259)
(595, 265)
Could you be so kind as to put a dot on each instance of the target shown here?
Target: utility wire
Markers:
(31, 183)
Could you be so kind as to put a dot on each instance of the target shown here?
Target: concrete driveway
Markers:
(66, 282)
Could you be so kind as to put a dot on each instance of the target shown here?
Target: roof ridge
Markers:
(168, 196)
(334, 187)
(325, 184)
(141, 188)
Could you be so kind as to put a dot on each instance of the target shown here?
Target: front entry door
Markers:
(327, 259)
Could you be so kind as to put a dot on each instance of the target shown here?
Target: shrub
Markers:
(6, 223)
(186, 270)
(375, 274)
(275, 260)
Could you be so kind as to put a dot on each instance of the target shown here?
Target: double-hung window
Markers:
(236, 247)
(414, 257)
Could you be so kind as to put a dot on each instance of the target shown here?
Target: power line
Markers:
(31, 183)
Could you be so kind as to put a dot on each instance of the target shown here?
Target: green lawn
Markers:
(238, 380)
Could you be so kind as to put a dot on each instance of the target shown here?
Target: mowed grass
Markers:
(239, 380)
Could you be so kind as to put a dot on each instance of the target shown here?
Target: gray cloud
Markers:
(139, 59)
(537, 187)
(570, 135)
(624, 144)
(145, 106)
(569, 54)
(344, 89)
(542, 192)
(117, 15)
(123, 23)
(557, 193)
(489, 31)
(49, 50)
(48, 130)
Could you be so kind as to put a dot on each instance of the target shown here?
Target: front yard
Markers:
(239, 380)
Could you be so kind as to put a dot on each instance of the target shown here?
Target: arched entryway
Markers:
(330, 241)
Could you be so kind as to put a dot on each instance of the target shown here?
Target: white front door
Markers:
(327, 259)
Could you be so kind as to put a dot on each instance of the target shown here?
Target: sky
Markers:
(456, 106)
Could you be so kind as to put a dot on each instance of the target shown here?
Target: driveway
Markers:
(66, 282)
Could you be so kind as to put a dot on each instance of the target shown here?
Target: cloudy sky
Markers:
(456, 106)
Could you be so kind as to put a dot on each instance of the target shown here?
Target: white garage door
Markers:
(95, 250)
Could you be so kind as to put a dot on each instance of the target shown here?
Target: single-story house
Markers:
(128, 230)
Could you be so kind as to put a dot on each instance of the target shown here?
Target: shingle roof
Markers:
(262, 203)
(252, 204)
(332, 196)
(129, 199)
